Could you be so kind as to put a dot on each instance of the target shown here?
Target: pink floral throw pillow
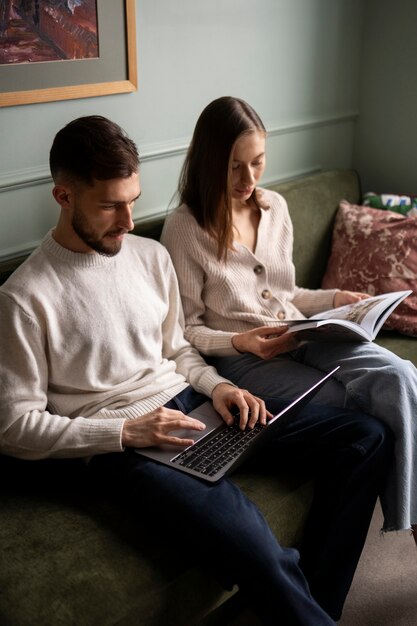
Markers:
(375, 251)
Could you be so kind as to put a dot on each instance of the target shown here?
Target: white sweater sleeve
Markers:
(27, 429)
(179, 237)
(189, 363)
(313, 301)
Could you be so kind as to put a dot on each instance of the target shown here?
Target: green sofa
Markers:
(70, 558)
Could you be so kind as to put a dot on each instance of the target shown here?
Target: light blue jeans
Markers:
(370, 378)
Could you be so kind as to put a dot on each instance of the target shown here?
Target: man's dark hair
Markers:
(93, 147)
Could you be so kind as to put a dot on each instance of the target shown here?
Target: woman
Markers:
(231, 244)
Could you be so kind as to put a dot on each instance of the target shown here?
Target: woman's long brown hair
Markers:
(204, 184)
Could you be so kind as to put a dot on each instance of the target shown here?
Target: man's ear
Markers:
(62, 195)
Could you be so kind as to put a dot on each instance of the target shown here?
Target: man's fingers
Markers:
(253, 415)
(258, 411)
(244, 417)
(177, 441)
(195, 424)
(183, 423)
(251, 408)
(252, 411)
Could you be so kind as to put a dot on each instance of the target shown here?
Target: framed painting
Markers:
(66, 49)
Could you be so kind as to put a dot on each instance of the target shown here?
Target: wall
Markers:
(386, 140)
(288, 58)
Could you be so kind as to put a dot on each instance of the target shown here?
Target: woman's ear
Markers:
(62, 195)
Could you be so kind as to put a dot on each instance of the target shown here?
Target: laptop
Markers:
(219, 449)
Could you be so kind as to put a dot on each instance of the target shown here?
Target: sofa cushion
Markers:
(68, 552)
(375, 251)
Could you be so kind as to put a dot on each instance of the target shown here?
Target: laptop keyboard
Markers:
(213, 452)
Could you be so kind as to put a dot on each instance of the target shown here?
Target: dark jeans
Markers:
(347, 452)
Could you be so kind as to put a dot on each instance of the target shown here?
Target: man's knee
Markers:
(373, 436)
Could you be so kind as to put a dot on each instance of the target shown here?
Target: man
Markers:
(97, 366)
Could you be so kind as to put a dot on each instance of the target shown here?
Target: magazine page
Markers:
(328, 330)
(361, 320)
(370, 314)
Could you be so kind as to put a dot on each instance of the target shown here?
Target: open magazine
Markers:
(360, 321)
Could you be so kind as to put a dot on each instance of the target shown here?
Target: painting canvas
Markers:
(54, 50)
(33, 31)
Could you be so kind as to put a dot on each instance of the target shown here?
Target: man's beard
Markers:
(80, 226)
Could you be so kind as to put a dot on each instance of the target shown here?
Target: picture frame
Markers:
(114, 72)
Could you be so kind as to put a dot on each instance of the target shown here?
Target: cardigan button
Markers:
(281, 315)
(266, 294)
(258, 269)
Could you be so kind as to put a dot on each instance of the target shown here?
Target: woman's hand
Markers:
(348, 297)
(251, 408)
(265, 341)
(154, 429)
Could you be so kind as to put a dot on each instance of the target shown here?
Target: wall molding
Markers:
(30, 177)
(276, 180)
(317, 122)
(23, 250)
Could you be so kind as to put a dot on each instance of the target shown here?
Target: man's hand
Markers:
(348, 297)
(265, 341)
(153, 429)
(251, 408)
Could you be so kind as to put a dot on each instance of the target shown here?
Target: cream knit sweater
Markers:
(87, 341)
(250, 289)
